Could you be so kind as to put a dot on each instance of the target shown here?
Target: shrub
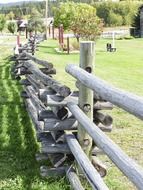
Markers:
(11, 27)
(114, 19)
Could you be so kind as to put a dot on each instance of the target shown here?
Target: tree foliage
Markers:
(117, 13)
(2, 22)
(10, 15)
(35, 22)
(81, 18)
(21, 9)
(12, 27)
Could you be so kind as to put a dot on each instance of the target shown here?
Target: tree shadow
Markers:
(17, 137)
(18, 144)
(51, 50)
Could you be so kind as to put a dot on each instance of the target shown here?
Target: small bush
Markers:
(75, 45)
(11, 27)
(128, 37)
(114, 19)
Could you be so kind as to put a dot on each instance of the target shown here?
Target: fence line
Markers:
(58, 114)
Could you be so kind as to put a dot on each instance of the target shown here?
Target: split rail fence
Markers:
(71, 126)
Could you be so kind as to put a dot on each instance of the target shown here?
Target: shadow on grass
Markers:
(18, 146)
(18, 143)
(51, 50)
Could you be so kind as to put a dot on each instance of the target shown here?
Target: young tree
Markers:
(35, 22)
(86, 24)
(2, 23)
(64, 14)
(81, 18)
(11, 27)
(10, 15)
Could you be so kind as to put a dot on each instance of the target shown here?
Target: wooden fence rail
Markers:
(125, 100)
(132, 170)
(67, 123)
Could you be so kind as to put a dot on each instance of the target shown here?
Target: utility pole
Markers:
(46, 20)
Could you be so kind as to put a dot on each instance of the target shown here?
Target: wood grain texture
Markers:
(125, 100)
(128, 166)
(73, 179)
(38, 61)
(58, 87)
(88, 169)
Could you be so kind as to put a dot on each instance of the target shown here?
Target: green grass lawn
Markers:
(123, 69)
(18, 168)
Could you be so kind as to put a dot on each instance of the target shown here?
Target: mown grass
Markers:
(124, 69)
(18, 168)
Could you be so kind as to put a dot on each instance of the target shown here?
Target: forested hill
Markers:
(15, 3)
(22, 8)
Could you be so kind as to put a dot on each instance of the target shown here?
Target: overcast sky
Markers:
(11, 1)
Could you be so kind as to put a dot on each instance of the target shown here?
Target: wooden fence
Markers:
(70, 125)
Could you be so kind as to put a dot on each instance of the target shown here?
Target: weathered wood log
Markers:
(17, 78)
(23, 71)
(103, 106)
(54, 148)
(56, 124)
(22, 59)
(95, 95)
(32, 94)
(97, 151)
(25, 82)
(58, 87)
(24, 48)
(33, 114)
(105, 119)
(125, 100)
(73, 179)
(58, 136)
(52, 172)
(61, 112)
(49, 146)
(43, 93)
(41, 157)
(50, 98)
(100, 167)
(46, 114)
(90, 172)
(85, 102)
(34, 82)
(23, 94)
(57, 160)
(38, 61)
(104, 128)
(45, 136)
(128, 166)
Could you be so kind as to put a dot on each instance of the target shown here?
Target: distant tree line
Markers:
(117, 13)
(22, 10)
(112, 13)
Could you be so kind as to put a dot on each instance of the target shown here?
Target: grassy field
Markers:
(18, 168)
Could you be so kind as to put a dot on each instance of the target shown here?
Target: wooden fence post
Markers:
(68, 45)
(87, 52)
(53, 31)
